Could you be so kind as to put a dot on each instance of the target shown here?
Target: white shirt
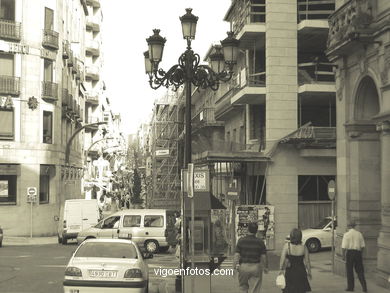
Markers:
(353, 240)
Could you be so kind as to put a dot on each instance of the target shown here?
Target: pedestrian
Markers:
(295, 264)
(353, 246)
(250, 260)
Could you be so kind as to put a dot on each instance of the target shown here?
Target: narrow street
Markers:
(40, 269)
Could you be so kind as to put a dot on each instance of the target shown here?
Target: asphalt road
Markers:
(40, 269)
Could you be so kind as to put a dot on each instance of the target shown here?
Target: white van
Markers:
(148, 228)
(75, 216)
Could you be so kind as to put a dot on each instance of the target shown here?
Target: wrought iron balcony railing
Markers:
(205, 115)
(315, 9)
(9, 85)
(50, 39)
(92, 98)
(49, 90)
(246, 12)
(315, 72)
(10, 30)
(66, 51)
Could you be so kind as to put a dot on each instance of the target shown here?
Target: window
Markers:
(132, 221)
(107, 250)
(154, 221)
(48, 70)
(47, 127)
(8, 189)
(44, 183)
(6, 124)
(110, 222)
(49, 19)
(6, 64)
(313, 187)
(7, 9)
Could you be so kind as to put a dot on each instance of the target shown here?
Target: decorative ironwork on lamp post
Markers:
(189, 71)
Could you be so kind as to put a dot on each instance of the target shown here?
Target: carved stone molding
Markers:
(362, 130)
(340, 81)
(384, 127)
(384, 64)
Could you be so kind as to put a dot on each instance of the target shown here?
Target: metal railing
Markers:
(314, 133)
(92, 98)
(9, 85)
(246, 12)
(10, 29)
(315, 9)
(49, 90)
(314, 72)
(50, 39)
(206, 115)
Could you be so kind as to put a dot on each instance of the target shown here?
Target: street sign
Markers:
(332, 190)
(32, 194)
(190, 180)
(162, 153)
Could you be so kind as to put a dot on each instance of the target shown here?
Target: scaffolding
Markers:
(165, 164)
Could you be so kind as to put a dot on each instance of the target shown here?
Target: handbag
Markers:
(281, 281)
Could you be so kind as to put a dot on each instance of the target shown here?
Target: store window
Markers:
(313, 187)
(47, 127)
(44, 183)
(8, 189)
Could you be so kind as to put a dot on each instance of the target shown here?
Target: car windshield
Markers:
(322, 224)
(107, 250)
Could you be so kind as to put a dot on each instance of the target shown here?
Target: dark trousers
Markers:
(355, 260)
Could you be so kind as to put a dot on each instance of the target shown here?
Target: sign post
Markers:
(332, 196)
(31, 198)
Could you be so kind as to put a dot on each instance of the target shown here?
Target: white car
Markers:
(107, 265)
(319, 236)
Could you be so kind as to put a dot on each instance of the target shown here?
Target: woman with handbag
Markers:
(295, 263)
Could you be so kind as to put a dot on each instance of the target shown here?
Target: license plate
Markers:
(102, 274)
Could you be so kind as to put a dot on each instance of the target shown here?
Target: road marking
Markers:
(13, 256)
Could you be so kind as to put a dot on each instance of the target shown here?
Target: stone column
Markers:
(281, 112)
(383, 267)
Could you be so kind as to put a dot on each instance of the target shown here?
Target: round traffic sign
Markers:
(31, 191)
(332, 189)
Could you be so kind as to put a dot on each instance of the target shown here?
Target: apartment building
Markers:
(270, 133)
(359, 45)
(42, 58)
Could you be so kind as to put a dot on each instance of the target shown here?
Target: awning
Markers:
(213, 156)
(204, 201)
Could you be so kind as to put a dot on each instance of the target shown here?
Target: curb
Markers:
(24, 241)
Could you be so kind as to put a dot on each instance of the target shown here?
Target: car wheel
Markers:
(64, 240)
(313, 245)
(164, 249)
(151, 246)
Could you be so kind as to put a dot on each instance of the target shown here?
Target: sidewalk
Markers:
(18, 241)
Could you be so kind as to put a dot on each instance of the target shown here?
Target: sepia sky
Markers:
(127, 24)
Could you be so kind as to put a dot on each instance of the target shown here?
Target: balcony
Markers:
(316, 77)
(248, 20)
(65, 97)
(349, 27)
(50, 39)
(249, 88)
(315, 9)
(93, 23)
(10, 30)
(92, 72)
(93, 3)
(92, 98)
(89, 121)
(66, 50)
(49, 91)
(92, 48)
(9, 85)
(223, 106)
(205, 118)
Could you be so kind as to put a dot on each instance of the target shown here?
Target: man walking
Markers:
(250, 260)
(353, 246)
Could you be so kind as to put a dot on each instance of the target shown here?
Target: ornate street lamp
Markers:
(189, 71)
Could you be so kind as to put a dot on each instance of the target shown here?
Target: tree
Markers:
(137, 188)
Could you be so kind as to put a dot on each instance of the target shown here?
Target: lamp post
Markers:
(190, 72)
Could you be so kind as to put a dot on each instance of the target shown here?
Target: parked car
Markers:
(107, 265)
(319, 236)
(1, 237)
(146, 227)
(75, 216)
